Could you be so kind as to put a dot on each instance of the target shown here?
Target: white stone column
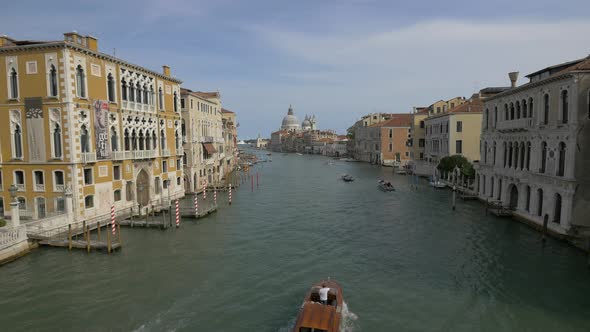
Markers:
(14, 214)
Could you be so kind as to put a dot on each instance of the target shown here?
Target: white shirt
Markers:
(324, 294)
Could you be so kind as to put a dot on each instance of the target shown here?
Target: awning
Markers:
(210, 148)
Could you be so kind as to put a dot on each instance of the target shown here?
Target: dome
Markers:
(306, 124)
(290, 121)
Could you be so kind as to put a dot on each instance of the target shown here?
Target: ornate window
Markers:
(518, 110)
(133, 140)
(138, 86)
(131, 91)
(84, 139)
(111, 87)
(546, 109)
(175, 102)
(146, 99)
(80, 82)
(126, 140)
(528, 155)
(561, 164)
(56, 138)
(154, 140)
(543, 157)
(52, 81)
(141, 140)
(123, 89)
(161, 98)
(564, 106)
(162, 139)
(531, 108)
(114, 139)
(13, 84)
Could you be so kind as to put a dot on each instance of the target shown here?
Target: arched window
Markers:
(111, 88)
(80, 82)
(495, 116)
(138, 93)
(516, 150)
(162, 140)
(18, 141)
(528, 156)
(485, 152)
(564, 106)
(152, 94)
(511, 111)
(57, 150)
(154, 140)
(506, 116)
(123, 89)
(546, 109)
(148, 140)
(114, 140)
(522, 155)
(494, 155)
(53, 81)
(84, 139)
(539, 202)
(557, 212)
(531, 108)
(505, 154)
(510, 152)
(175, 102)
(561, 165)
(131, 91)
(13, 84)
(492, 182)
(543, 157)
(161, 98)
(141, 140)
(146, 99)
(518, 110)
(177, 138)
(133, 140)
(524, 109)
(126, 141)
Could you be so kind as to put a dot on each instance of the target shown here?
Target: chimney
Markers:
(513, 78)
(92, 43)
(166, 70)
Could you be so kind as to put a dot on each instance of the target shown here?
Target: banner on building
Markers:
(101, 133)
(35, 129)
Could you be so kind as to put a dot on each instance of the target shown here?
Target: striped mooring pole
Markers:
(113, 227)
(205, 191)
(196, 205)
(229, 194)
(177, 215)
(215, 196)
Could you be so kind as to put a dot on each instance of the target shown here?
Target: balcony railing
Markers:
(515, 125)
(166, 153)
(20, 187)
(119, 155)
(145, 154)
(60, 188)
(88, 157)
(39, 187)
(135, 106)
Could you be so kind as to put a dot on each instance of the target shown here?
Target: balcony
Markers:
(119, 155)
(145, 154)
(180, 151)
(166, 153)
(515, 125)
(60, 188)
(88, 157)
(39, 187)
(20, 187)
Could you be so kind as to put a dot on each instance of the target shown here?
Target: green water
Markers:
(405, 260)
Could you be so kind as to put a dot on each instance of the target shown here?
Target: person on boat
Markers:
(324, 294)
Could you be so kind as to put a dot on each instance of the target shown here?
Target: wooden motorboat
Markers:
(347, 178)
(317, 317)
(385, 185)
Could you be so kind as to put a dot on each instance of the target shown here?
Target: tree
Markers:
(448, 164)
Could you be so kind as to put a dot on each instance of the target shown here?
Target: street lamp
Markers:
(13, 189)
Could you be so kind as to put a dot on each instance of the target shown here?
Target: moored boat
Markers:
(317, 316)
(385, 185)
(437, 184)
(347, 178)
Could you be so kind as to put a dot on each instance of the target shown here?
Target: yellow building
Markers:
(75, 121)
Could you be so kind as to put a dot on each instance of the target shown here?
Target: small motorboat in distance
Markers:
(437, 184)
(317, 317)
(385, 185)
(347, 178)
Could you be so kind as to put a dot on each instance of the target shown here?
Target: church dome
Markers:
(290, 121)
(306, 123)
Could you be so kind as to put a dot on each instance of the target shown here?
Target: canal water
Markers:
(406, 262)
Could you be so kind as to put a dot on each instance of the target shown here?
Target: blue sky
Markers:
(335, 59)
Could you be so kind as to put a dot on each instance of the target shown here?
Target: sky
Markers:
(338, 60)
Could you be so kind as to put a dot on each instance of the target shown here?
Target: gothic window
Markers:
(161, 98)
(131, 91)
(511, 111)
(524, 109)
(495, 116)
(84, 139)
(162, 140)
(528, 199)
(531, 108)
(146, 99)
(518, 110)
(175, 102)
(152, 95)
(546, 109)
(56, 138)
(543, 157)
(154, 140)
(494, 155)
(177, 138)
(114, 140)
(141, 140)
(138, 93)
(133, 140)
(522, 153)
(80, 82)
(111, 88)
(564, 106)
(53, 81)
(126, 140)
(123, 89)
(510, 155)
(17, 138)
(539, 202)
(506, 117)
(148, 140)
(557, 212)
(561, 165)
(528, 155)
(13, 84)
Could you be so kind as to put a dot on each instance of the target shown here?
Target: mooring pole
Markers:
(84, 229)
(70, 237)
(98, 229)
(87, 239)
(108, 242)
(454, 196)
(119, 233)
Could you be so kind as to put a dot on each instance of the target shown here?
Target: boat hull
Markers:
(313, 314)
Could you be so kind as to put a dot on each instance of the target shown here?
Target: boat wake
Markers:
(349, 319)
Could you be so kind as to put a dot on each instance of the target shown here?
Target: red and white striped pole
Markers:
(177, 215)
(196, 205)
(114, 228)
(229, 194)
(215, 196)
(205, 191)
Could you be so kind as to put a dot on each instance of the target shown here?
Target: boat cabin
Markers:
(314, 296)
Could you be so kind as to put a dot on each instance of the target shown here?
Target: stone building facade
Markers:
(75, 121)
(535, 153)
